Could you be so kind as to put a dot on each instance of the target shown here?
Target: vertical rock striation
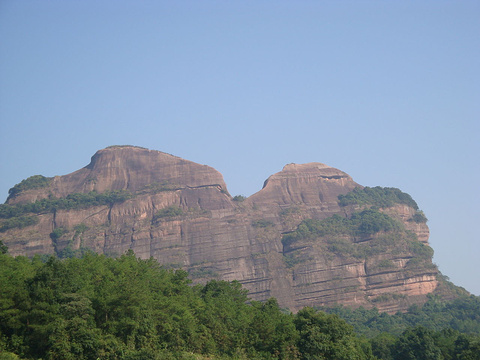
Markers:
(180, 213)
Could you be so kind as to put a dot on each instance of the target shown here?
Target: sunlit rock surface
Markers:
(213, 236)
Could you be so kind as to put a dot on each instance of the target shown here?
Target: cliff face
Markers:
(127, 168)
(180, 213)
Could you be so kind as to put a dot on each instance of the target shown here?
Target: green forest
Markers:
(91, 306)
(97, 307)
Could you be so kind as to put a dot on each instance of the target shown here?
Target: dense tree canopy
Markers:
(377, 196)
(96, 307)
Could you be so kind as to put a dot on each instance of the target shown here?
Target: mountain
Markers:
(310, 237)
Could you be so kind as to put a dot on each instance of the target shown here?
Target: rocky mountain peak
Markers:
(315, 184)
(293, 240)
(131, 168)
(128, 168)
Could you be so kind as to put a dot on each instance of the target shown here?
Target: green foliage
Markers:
(80, 228)
(437, 330)
(382, 345)
(293, 258)
(203, 273)
(376, 196)
(419, 217)
(348, 237)
(3, 248)
(366, 222)
(273, 332)
(421, 250)
(126, 308)
(239, 198)
(467, 347)
(416, 344)
(343, 246)
(372, 221)
(33, 182)
(8, 356)
(421, 343)
(262, 223)
(72, 201)
(290, 211)
(385, 264)
(326, 336)
(58, 233)
(157, 187)
(462, 315)
(168, 212)
(18, 222)
(225, 316)
(388, 297)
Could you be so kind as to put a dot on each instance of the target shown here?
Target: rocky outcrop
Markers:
(128, 168)
(181, 213)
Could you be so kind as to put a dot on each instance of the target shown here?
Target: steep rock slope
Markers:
(276, 242)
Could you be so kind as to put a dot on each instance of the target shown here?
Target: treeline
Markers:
(437, 330)
(126, 308)
(461, 314)
(381, 197)
(97, 307)
(23, 215)
(71, 201)
(377, 196)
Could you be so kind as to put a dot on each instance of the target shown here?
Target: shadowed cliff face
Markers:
(180, 213)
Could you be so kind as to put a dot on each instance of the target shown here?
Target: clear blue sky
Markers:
(387, 91)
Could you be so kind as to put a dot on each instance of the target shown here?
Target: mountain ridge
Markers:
(181, 213)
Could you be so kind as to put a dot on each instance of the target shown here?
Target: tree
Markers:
(417, 344)
(3, 248)
(226, 315)
(273, 332)
(467, 347)
(324, 336)
(382, 345)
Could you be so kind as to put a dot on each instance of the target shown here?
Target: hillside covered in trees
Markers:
(98, 307)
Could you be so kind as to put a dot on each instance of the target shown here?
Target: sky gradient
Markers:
(387, 91)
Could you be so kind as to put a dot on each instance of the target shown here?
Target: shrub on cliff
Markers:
(3, 248)
(71, 201)
(366, 222)
(33, 182)
(168, 212)
(18, 222)
(326, 336)
(419, 217)
(377, 196)
(239, 198)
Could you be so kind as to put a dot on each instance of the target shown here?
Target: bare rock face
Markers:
(128, 168)
(180, 213)
(315, 185)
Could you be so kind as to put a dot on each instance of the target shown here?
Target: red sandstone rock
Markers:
(216, 237)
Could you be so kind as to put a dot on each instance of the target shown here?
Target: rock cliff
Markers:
(278, 242)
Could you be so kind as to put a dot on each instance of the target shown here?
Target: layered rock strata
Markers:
(181, 213)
